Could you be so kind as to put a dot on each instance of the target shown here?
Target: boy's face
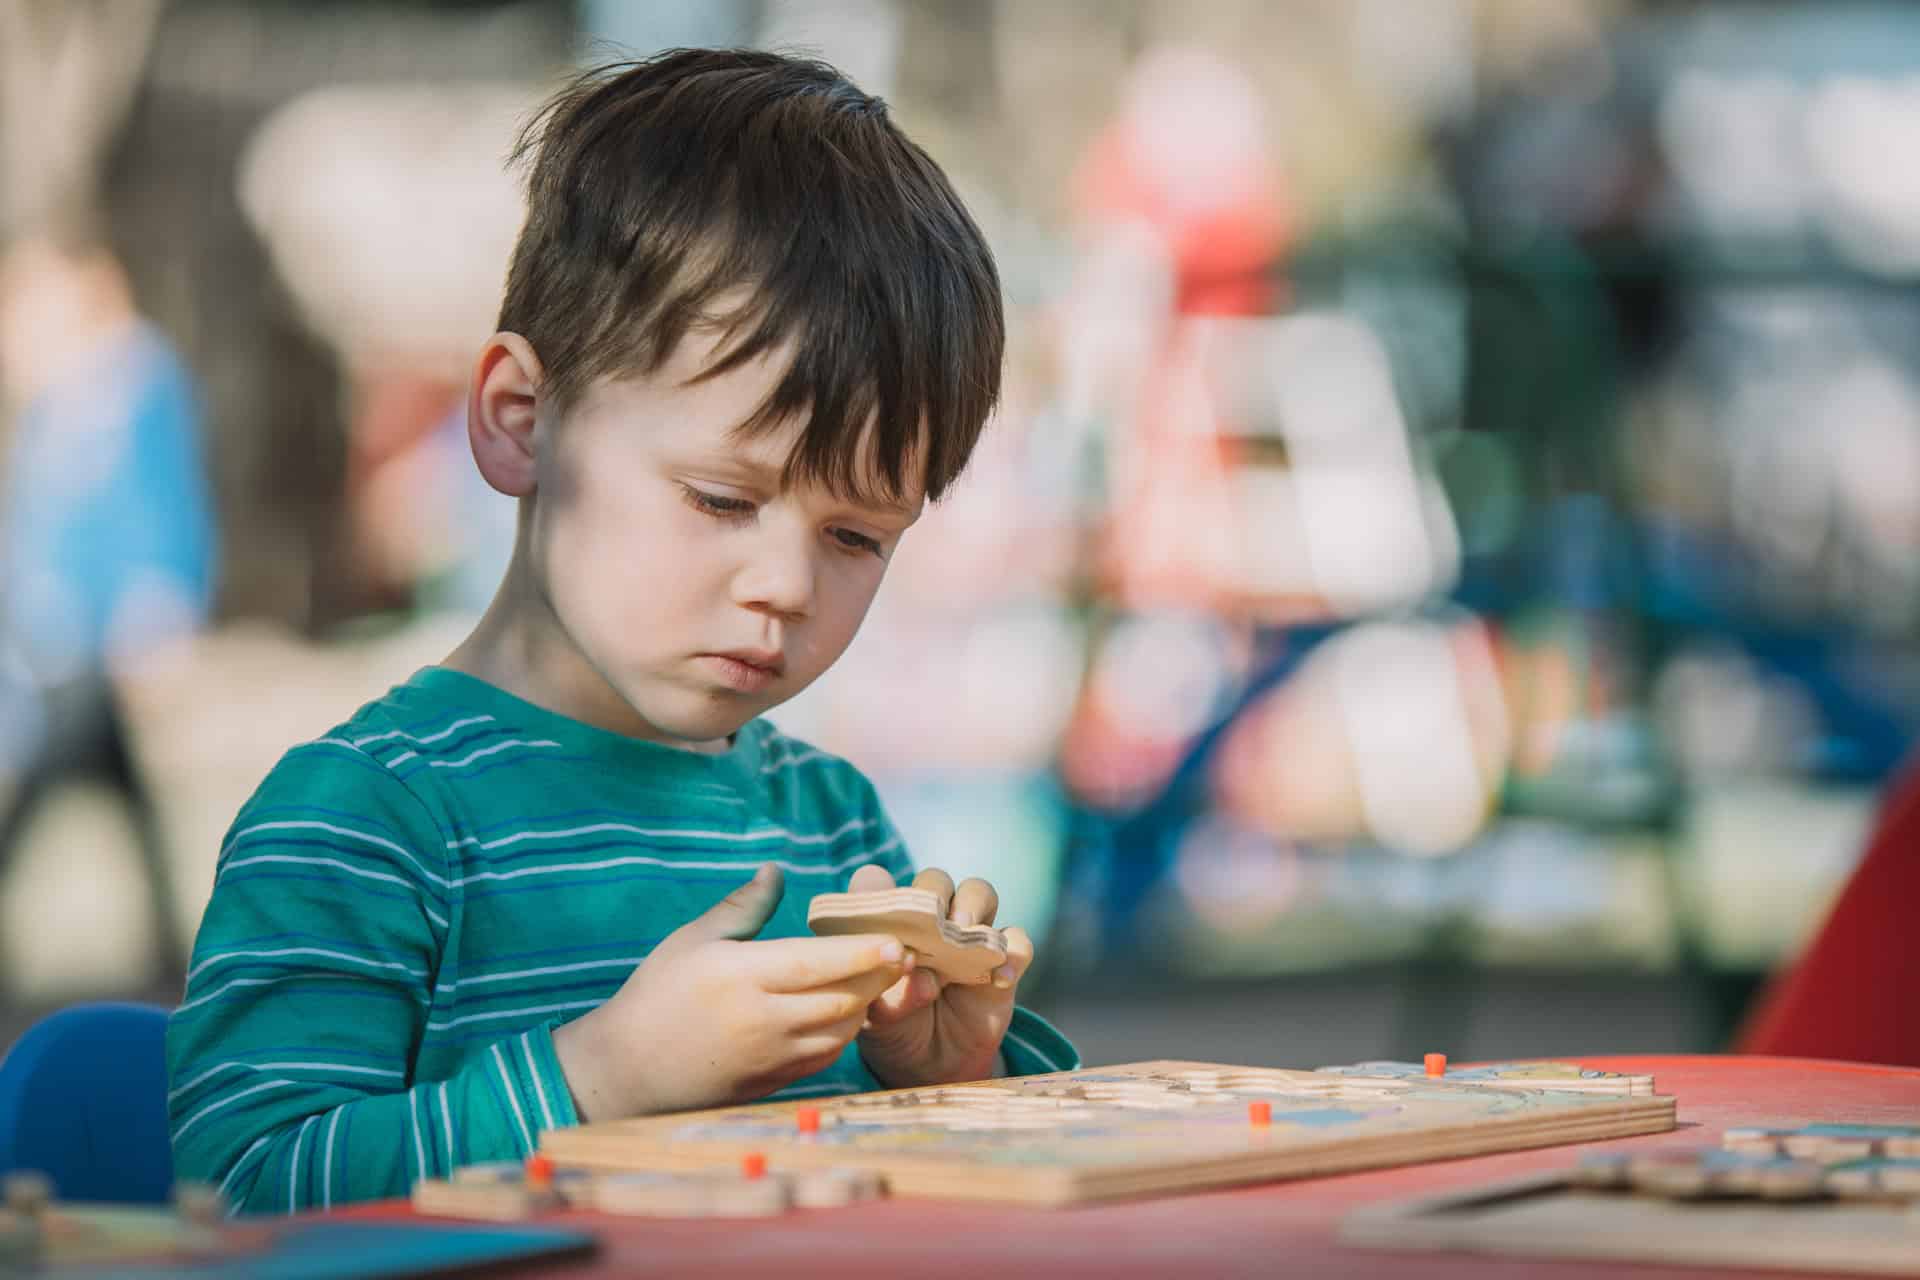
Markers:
(676, 569)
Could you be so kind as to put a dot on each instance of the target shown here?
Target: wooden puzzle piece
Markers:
(481, 1201)
(834, 1188)
(1566, 1077)
(1702, 1173)
(1877, 1179)
(958, 953)
(692, 1195)
(1829, 1143)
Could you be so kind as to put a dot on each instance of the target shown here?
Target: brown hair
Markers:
(659, 186)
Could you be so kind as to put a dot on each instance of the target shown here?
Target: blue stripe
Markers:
(524, 821)
(527, 993)
(351, 944)
(250, 874)
(631, 843)
(365, 853)
(577, 880)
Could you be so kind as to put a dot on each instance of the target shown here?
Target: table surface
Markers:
(1276, 1228)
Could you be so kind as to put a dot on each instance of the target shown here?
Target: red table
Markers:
(1277, 1228)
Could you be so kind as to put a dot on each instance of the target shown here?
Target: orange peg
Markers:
(1436, 1064)
(753, 1165)
(1260, 1114)
(807, 1119)
(539, 1170)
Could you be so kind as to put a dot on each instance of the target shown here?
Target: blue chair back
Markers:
(83, 1099)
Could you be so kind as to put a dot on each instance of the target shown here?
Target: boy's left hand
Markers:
(923, 1031)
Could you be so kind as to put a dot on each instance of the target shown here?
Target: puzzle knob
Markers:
(1436, 1064)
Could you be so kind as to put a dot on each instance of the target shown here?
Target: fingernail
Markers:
(891, 952)
(1003, 976)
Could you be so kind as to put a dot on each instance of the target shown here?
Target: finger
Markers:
(904, 998)
(870, 879)
(974, 902)
(801, 964)
(1019, 957)
(938, 883)
(813, 1010)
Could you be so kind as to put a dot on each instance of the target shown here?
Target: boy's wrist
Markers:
(583, 1052)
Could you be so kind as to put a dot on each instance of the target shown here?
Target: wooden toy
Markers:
(958, 953)
(1139, 1129)
(1829, 1143)
(1555, 1216)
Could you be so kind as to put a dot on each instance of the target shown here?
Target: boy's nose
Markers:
(779, 579)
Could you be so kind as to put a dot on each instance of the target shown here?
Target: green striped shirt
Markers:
(408, 906)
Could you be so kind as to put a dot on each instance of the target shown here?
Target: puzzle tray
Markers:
(1138, 1129)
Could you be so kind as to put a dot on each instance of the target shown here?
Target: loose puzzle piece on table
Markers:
(509, 1191)
(1136, 1129)
(1554, 1216)
(963, 953)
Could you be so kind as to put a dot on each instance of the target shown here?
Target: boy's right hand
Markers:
(710, 1019)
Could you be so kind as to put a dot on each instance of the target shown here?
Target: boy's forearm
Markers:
(376, 1145)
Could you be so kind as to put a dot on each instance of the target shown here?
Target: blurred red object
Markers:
(1855, 992)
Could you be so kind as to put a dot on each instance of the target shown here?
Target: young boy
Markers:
(748, 330)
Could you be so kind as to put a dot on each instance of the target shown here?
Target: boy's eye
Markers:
(856, 541)
(715, 504)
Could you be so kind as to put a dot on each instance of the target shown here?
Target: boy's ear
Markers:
(500, 413)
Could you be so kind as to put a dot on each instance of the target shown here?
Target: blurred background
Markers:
(1444, 575)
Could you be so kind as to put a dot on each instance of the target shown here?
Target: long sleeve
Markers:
(291, 1057)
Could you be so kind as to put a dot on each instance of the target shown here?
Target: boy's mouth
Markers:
(748, 670)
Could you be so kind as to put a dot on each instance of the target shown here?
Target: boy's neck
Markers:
(518, 646)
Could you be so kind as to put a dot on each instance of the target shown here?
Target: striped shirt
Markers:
(408, 906)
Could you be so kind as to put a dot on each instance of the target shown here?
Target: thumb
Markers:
(740, 914)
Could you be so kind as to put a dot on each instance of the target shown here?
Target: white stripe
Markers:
(433, 915)
(1034, 1049)
(330, 742)
(303, 951)
(795, 868)
(512, 1013)
(432, 737)
(212, 1107)
(238, 982)
(419, 1147)
(446, 1118)
(533, 1070)
(293, 1166)
(513, 1098)
(280, 1066)
(323, 862)
(326, 1178)
(803, 758)
(241, 1163)
(348, 832)
(624, 962)
(471, 756)
(402, 758)
(684, 833)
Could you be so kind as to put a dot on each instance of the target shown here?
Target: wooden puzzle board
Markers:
(1142, 1128)
(1544, 1216)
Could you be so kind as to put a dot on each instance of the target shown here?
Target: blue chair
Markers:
(83, 1099)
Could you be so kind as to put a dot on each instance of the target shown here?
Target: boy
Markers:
(748, 330)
